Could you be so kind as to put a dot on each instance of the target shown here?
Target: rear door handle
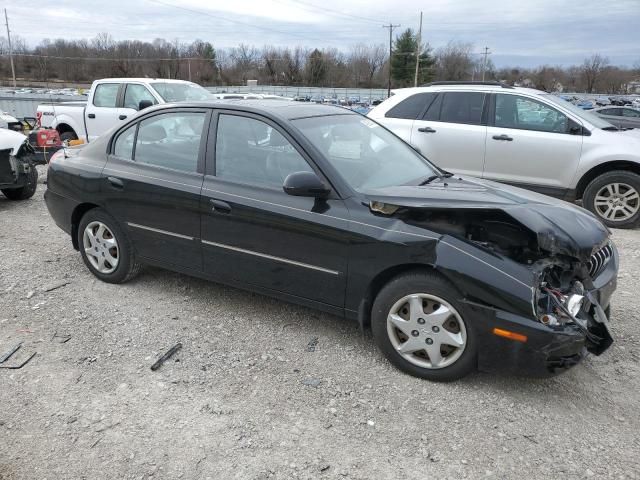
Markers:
(91, 115)
(506, 138)
(426, 130)
(218, 206)
(116, 182)
(122, 117)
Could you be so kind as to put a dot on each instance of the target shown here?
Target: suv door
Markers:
(451, 132)
(102, 112)
(253, 232)
(532, 144)
(152, 185)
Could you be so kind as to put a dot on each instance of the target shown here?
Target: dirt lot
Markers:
(245, 398)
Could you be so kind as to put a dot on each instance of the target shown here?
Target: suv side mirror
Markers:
(577, 129)
(144, 104)
(305, 184)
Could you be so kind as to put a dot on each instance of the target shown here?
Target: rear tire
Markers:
(28, 190)
(614, 197)
(66, 136)
(422, 328)
(106, 248)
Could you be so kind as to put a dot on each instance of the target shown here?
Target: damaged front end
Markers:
(571, 261)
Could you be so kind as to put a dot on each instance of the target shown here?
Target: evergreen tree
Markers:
(403, 61)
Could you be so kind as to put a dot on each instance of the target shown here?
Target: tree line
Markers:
(361, 65)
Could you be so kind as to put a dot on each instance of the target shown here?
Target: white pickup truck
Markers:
(112, 100)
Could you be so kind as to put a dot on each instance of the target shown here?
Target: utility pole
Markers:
(418, 52)
(390, 27)
(13, 70)
(484, 61)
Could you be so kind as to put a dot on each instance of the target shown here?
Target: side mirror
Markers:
(144, 104)
(305, 184)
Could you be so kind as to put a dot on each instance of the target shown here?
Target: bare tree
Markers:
(454, 61)
(591, 70)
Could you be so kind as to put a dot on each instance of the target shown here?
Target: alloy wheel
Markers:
(617, 202)
(101, 247)
(426, 331)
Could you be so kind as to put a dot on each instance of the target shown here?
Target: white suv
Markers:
(523, 137)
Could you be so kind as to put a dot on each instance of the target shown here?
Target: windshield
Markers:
(180, 92)
(592, 118)
(365, 154)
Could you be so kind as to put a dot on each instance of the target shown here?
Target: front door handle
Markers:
(116, 182)
(91, 115)
(218, 206)
(426, 130)
(122, 117)
(506, 138)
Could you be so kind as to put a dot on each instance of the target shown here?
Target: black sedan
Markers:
(320, 206)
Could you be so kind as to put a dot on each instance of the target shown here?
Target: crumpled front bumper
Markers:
(547, 351)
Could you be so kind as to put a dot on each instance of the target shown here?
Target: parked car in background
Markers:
(623, 117)
(321, 206)
(524, 137)
(602, 101)
(110, 102)
(18, 174)
(585, 104)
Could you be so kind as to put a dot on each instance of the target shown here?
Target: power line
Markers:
(333, 13)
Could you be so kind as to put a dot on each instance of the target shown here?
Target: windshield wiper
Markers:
(428, 180)
(611, 129)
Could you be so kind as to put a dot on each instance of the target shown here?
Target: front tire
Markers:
(28, 190)
(106, 248)
(420, 326)
(614, 197)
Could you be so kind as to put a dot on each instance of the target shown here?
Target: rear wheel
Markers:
(106, 248)
(28, 190)
(69, 135)
(615, 198)
(419, 325)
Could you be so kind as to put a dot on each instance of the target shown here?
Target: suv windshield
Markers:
(592, 118)
(365, 154)
(180, 92)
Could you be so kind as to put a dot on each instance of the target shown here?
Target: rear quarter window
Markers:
(410, 108)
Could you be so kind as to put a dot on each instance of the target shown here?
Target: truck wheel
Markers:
(615, 198)
(420, 326)
(27, 191)
(106, 248)
(66, 136)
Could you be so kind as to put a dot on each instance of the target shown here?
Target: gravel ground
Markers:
(246, 398)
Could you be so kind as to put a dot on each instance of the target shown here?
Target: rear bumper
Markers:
(61, 209)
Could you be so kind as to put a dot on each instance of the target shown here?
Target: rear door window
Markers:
(462, 107)
(106, 95)
(170, 140)
(410, 108)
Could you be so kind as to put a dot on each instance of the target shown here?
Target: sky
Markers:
(517, 32)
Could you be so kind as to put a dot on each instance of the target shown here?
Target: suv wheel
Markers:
(28, 190)
(106, 248)
(420, 326)
(615, 198)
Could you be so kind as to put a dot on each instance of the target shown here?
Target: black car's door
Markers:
(255, 233)
(153, 181)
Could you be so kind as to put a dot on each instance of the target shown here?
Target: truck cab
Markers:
(111, 101)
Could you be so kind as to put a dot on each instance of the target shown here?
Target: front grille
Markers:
(599, 260)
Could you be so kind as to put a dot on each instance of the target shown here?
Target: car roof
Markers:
(142, 80)
(465, 87)
(285, 109)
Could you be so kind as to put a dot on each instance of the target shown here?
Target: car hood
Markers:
(560, 227)
(12, 140)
